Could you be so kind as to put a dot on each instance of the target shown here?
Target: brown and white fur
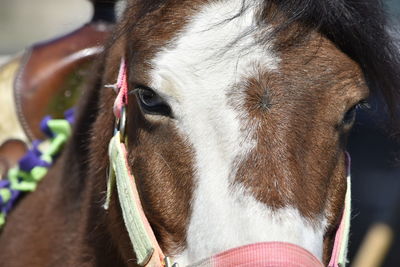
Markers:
(253, 150)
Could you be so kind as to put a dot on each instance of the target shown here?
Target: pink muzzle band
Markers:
(266, 254)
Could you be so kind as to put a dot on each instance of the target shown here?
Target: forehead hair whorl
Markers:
(356, 27)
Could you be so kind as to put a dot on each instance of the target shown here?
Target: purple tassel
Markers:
(4, 183)
(69, 115)
(45, 128)
(32, 159)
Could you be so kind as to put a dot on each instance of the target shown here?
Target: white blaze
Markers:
(197, 74)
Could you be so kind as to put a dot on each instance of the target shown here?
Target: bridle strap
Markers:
(144, 242)
(339, 252)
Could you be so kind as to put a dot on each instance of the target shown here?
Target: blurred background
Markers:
(23, 22)
(376, 174)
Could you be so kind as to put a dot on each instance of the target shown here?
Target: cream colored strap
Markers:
(339, 253)
(144, 243)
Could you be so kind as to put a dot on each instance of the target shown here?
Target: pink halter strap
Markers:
(122, 90)
(339, 252)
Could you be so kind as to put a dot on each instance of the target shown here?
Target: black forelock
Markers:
(359, 28)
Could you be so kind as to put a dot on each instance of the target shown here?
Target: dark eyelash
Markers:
(158, 108)
(364, 105)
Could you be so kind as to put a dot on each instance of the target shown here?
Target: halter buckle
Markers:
(168, 262)
(120, 124)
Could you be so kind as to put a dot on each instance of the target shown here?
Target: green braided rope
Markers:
(28, 181)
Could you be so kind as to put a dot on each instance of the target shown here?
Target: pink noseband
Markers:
(266, 254)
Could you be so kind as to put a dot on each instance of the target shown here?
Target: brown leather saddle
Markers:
(51, 75)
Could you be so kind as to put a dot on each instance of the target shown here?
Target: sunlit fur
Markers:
(264, 148)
